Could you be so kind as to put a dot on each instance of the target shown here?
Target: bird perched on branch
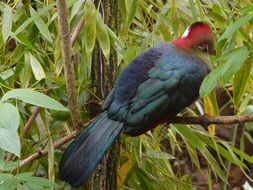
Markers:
(156, 85)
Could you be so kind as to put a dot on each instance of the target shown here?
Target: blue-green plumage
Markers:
(159, 82)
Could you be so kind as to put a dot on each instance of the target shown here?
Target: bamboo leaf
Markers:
(208, 106)
(36, 68)
(235, 26)
(41, 25)
(34, 98)
(193, 10)
(25, 74)
(9, 122)
(131, 13)
(31, 19)
(235, 59)
(76, 7)
(89, 26)
(123, 10)
(240, 80)
(192, 138)
(103, 37)
(7, 23)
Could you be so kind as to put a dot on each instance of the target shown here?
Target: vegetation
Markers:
(34, 127)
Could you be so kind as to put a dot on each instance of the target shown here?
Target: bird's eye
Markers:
(203, 47)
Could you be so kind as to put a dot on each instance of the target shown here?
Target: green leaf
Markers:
(9, 116)
(123, 10)
(193, 10)
(34, 98)
(144, 180)
(9, 184)
(115, 41)
(234, 62)
(36, 68)
(131, 12)
(41, 181)
(11, 165)
(41, 25)
(192, 138)
(31, 19)
(9, 140)
(235, 26)
(103, 37)
(76, 7)
(24, 175)
(235, 59)
(89, 26)
(25, 74)
(9, 122)
(7, 23)
(240, 80)
(160, 154)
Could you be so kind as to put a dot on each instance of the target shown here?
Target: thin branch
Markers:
(202, 120)
(207, 119)
(63, 24)
(76, 32)
(57, 144)
(42, 153)
(27, 126)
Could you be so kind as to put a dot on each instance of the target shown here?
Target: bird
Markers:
(155, 86)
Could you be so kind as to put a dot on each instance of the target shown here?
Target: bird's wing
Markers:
(173, 84)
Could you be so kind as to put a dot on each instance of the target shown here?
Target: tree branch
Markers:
(202, 120)
(57, 144)
(63, 24)
(42, 153)
(76, 32)
(207, 119)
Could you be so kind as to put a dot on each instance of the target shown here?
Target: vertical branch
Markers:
(63, 24)
(104, 74)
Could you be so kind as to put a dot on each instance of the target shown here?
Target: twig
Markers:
(63, 24)
(76, 32)
(57, 144)
(42, 153)
(207, 119)
(202, 120)
(28, 126)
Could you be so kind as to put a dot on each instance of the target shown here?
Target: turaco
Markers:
(156, 85)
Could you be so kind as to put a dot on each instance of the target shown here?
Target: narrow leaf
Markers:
(240, 80)
(41, 25)
(192, 138)
(225, 71)
(31, 19)
(34, 98)
(235, 26)
(210, 111)
(9, 116)
(132, 11)
(25, 74)
(9, 122)
(123, 10)
(7, 23)
(103, 37)
(36, 68)
(89, 26)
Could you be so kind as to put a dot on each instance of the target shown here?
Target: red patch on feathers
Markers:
(192, 34)
(160, 121)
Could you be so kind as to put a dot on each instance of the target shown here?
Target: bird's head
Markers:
(198, 35)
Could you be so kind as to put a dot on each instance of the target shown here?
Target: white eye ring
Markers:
(203, 48)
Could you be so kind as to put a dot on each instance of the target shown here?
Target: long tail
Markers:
(84, 153)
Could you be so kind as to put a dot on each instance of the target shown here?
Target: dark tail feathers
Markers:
(84, 153)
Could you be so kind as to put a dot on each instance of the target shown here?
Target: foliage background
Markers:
(172, 156)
